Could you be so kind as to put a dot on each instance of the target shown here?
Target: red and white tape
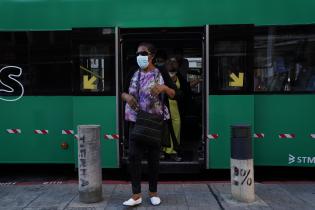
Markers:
(14, 131)
(76, 136)
(43, 132)
(52, 182)
(111, 136)
(67, 132)
(213, 136)
(7, 183)
(312, 135)
(259, 135)
(286, 136)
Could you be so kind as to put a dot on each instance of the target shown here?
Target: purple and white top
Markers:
(147, 102)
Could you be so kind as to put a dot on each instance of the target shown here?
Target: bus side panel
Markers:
(224, 111)
(35, 14)
(285, 114)
(51, 113)
(99, 110)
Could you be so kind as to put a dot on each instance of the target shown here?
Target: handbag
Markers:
(150, 129)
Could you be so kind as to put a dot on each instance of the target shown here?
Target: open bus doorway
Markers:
(170, 43)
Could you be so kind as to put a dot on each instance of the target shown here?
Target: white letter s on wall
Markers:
(11, 77)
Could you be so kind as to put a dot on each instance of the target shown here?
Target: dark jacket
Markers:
(184, 103)
(184, 99)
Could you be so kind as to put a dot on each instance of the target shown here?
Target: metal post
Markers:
(242, 171)
(89, 160)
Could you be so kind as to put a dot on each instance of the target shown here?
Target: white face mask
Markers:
(172, 74)
(143, 61)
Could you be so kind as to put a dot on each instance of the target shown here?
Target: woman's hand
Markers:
(131, 101)
(195, 82)
(157, 89)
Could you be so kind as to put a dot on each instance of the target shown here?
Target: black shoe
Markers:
(162, 156)
(176, 158)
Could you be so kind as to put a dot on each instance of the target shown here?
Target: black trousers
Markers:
(136, 152)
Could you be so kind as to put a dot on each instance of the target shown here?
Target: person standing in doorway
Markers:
(151, 85)
(179, 107)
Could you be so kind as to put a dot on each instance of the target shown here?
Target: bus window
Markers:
(95, 60)
(231, 49)
(284, 59)
(231, 59)
(14, 52)
(50, 62)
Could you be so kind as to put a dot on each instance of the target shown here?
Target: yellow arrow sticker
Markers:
(237, 81)
(88, 83)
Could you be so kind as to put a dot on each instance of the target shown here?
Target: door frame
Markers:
(206, 67)
(120, 75)
(117, 76)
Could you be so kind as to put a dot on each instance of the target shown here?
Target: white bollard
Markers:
(242, 171)
(89, 161)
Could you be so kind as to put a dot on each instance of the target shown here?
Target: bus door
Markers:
(180, 44)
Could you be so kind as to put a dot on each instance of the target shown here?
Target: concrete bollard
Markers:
(242, 171)
(89, 160)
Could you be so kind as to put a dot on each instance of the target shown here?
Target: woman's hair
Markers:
(150, 47)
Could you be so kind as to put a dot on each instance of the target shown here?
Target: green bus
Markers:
(65, 63)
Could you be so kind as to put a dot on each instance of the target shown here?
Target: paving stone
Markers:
(108, 189)
(202, 198)
(172, 200)
(122, 191)
(121, 207)
(81, 208)
(224, 188)
(43, 208)
(170, 188)
(75, 203)
(107, 194)
(195, 188)
(174, 197)
(200, 208)
(55, 197)
(12, 208)
(305, 192)
(279, 198)
(19, 196)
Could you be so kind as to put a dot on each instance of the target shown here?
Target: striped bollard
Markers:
(89, 161)
(242, 171)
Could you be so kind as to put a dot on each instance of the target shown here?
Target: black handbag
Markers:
(150, 129)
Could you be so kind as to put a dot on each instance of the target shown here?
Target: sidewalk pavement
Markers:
(179, 195)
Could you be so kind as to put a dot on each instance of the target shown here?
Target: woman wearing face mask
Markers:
(178, 108)
(151, 86)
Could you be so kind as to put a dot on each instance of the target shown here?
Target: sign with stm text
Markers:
(303, 160)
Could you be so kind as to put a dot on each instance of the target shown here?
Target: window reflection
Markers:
(284, 59)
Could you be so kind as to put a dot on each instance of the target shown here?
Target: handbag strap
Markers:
(138, 92)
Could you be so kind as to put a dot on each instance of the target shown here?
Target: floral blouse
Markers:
(147, 102)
